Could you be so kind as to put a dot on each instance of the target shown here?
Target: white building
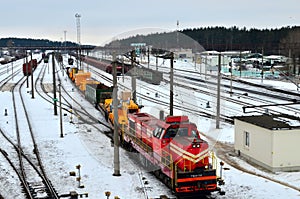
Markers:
(180, 53)
(271, 141)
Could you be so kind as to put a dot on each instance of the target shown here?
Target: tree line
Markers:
(270, 41)
(28, 42)
(285, 40)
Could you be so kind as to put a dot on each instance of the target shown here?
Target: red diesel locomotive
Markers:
(174, 147)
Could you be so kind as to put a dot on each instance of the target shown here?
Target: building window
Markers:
(247, 138)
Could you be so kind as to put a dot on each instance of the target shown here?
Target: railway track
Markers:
(29, 170)
(245, 94)
(219, 146)
(8, 76)
(187, 107)
(208, 88)
(69, 103)
(240, 100)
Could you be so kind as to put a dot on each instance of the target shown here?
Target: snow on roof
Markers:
(272, 122)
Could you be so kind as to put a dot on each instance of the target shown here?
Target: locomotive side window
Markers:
(157, 132)
(195, 134)
(171, 133)
(132, 110)
(131, 126)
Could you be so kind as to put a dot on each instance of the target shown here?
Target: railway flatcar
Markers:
(175, 149)
(125, 105)
(128, 106)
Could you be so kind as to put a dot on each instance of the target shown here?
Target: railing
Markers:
(136, 140)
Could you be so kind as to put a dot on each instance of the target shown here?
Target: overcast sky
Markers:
(102, 20)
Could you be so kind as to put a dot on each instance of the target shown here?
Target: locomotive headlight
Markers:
(198, 145)
(194, 145)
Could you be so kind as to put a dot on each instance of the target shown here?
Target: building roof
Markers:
(272, 122)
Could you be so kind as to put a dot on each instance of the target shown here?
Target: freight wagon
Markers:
(29, 67)
(97, 93)
(145, 74)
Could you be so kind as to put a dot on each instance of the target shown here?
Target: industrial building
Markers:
(271, 141)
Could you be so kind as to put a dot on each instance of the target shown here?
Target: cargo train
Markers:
(145, 74)
(171, 147)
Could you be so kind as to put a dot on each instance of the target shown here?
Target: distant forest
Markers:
(24, 42)
(285, 40)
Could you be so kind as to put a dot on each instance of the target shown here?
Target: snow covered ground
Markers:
(85, 146)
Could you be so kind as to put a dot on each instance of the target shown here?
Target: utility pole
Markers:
(218, 93)
(196, 61)
(87, 65)
(240, 63)
(123, 69)
(231, 78)
(32, 86)
(148, 56)
(12, 70)
(116, 120)
(171, 83)
(60, 113)
(177, 39)
(27, 83)
(205, 68)
(77, 16)
(262, 65)
(133, 76)
(54, 85)
(156, 63)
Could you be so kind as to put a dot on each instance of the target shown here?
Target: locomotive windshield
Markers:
(181, 132)
(172, 132)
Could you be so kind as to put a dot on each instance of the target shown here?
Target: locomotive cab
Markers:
(179, 151)
(181, 140)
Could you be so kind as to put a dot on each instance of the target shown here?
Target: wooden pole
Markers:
(54, 85)
(32, 83)
(171, 83)
(218, 94)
